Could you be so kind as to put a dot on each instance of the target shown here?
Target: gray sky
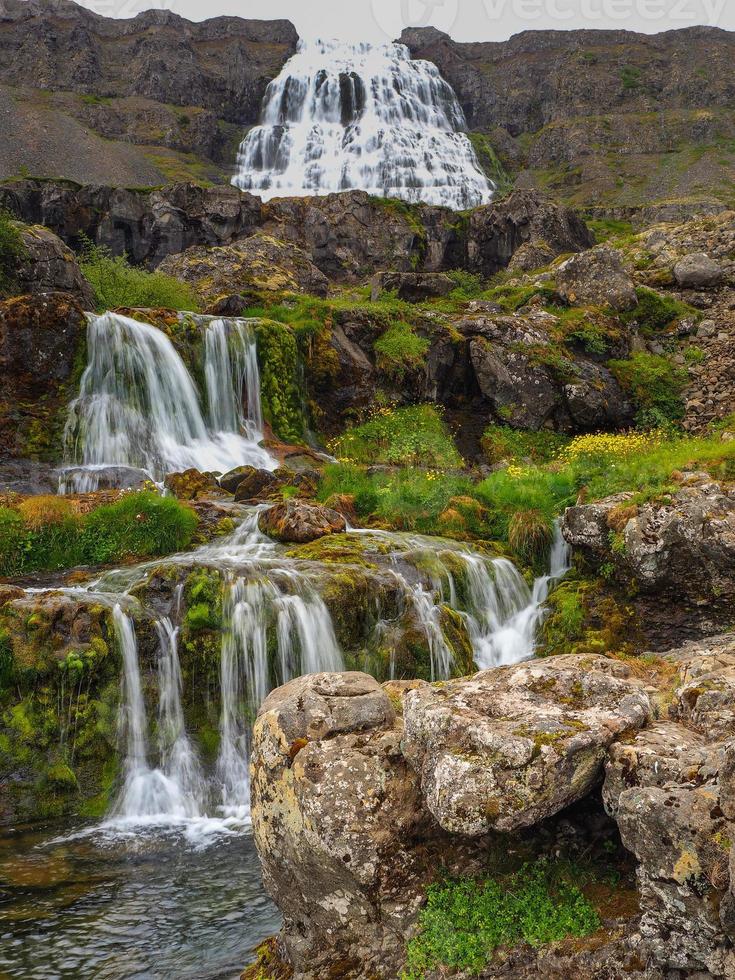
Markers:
(465, 20)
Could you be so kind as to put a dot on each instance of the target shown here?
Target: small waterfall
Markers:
(305, 644)
(429, 615)
(231, 368)
(147, 794)
(503, 615)
(342, 116)
(138, 407)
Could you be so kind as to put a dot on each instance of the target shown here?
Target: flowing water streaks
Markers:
(346, 116)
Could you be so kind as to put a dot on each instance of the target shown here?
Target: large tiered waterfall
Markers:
(138, 407)
(358, 116)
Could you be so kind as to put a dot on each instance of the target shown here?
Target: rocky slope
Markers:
(597, 117)
(148, 98)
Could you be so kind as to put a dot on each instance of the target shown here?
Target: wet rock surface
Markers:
(299, 522)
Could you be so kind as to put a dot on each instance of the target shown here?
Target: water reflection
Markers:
(129, 908)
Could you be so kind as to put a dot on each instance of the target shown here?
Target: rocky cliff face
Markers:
(170, 86)
(598, 109)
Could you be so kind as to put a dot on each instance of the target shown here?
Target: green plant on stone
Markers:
(12, 251)
(400, 349)
(655, 312)
(465, 921)
(116, 283)
(656, 386)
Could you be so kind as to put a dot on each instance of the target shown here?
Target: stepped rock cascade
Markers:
(358, 116)
(138, 408)
(276, 625)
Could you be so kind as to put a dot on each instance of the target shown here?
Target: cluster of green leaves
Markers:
(12, 251)
(412, 436)
(139, 525)
(501, 442)
(117, 283)
(655, 312)
(401, 349)
(656, 386)
(466, 921)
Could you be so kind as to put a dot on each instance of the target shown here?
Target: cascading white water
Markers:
(503, 615)
(152, 794)
(138, 407)
(305, 644)
(346, 116)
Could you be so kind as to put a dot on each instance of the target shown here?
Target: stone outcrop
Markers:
(682, 545)
(138, 95)
(347, 235)
(698, 271)
(256, 264)
(343, 790)
(509, 747)
(596, 278)
(413, 287)
(357, 786)
(299, 522)
(40, 335)
(48, 265)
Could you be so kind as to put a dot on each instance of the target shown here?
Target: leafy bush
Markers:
(116, 283)
(12, 251)
(467, 285)
(465, 921)
(413, 436)
(139, 525)
(655, 312)
(45, 534)
(656, 386)
(400, 349)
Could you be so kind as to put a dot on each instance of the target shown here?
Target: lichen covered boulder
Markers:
(256, 264)
(511, 746)
(596, 278)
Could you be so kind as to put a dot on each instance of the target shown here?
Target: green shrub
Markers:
(413, 436)
(501, 442)
(465, 921)
(631, 78)
(12, 251)
(13, 541)
(606, 228)
(656, 386)
(400, 349)
(467, 285)
(655, 312)
(116, 283)
(139, 525)
(529, 537)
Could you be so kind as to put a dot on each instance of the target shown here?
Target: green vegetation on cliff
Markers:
(116, 283)
(413, 436)
(48, 534)
(11, 252)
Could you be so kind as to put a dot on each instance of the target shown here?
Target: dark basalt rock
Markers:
(40, 336)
